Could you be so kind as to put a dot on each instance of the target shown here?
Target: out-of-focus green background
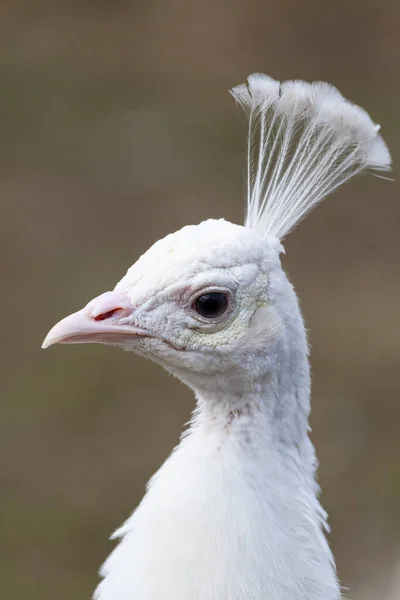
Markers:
(116, 129)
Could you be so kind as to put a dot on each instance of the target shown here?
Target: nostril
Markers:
(116, 312)
(110, 306)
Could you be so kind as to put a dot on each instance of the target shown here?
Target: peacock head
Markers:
(204, 299)
(212, 299)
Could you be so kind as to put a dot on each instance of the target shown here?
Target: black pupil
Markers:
(211, 305)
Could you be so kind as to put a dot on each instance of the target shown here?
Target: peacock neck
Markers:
(270, 411)
(236, 502)
(259, 462)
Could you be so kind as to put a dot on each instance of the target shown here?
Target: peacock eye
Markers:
(211, 305)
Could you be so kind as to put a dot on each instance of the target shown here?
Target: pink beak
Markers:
(98, 322)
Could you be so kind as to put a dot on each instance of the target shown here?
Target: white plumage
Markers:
(233, 514)
(304, 140)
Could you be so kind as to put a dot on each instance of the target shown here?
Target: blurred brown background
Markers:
(117, 128)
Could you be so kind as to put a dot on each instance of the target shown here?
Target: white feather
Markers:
(304, 140)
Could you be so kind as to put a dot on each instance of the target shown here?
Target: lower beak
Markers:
(99, 322)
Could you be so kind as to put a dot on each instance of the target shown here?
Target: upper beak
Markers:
(97, 322)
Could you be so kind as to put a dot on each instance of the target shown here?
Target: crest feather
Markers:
(304, 140)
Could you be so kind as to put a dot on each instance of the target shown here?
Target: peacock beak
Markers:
(104, 320)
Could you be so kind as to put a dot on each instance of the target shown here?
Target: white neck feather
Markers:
(263, 411)
(232, 514)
